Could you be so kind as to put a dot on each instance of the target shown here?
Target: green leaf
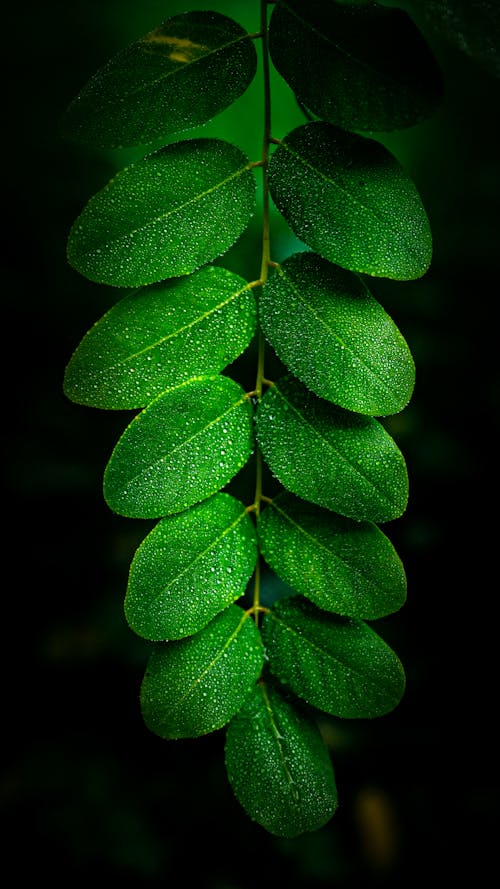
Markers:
(196, 685)
(189, 568)
(337, 664)
(334, 336)
(349, 199)
(365, 68)
(171, 212)
(278, 765)
(162, 335)
(186, 445)
(343, 461)
(178, 76)
(343, 566)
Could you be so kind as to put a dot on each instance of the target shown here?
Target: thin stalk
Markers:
(264, 269)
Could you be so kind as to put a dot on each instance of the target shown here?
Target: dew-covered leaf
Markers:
(337, 664)
(176, 77)
(189, 568)
(343, 566)
(348, 198)
(196, 685)
(334, 336)
(278, 765)
(165, 215)
(362, 68)
(343, 461)
(162, 335)
(186, 445)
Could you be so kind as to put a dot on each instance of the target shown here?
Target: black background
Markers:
(86, 791)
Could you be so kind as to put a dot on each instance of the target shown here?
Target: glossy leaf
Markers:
(161, 335)
(171, 212)
(362, 68)
(349, 199)
(337, 664)
(334, 336)
(343, 566)
(278, 765)
(177, 76)
(189, 568)
(343, 461)
(196, 685)
(186, 445)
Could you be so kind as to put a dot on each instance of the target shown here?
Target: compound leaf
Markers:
(186, 445)
(177, 76)
(337, 664)
(334, 336)
(362, 68)
(349, 199)
(196, 685)
(343, 461)
(343, 566)
(171, 212)
(189, 568)
(278, 765)
(161, 335)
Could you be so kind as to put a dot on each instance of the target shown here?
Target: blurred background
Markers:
(85, 790)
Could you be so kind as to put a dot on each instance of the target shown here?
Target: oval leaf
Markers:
(278, 765)
(186, 445)
(334, 336)
(166, 215)
(345, 462)
(178, 76)
(343, 566)
(348, 198)
(196, 685)
(337, 664)
(189, 568)
(161, 335)
(368, 68)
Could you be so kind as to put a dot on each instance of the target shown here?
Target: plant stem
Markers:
(264, 268)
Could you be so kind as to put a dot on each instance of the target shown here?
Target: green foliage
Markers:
(343, 461)
(348, 198)
(162, 335)
(344, 566)
(278, 765)
(165, 349)
(166, 215)
(337, 664)
(179, 75)
(327, 328)
(360, 68)
(189, 568)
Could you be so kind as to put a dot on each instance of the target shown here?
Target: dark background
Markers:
(86, 791)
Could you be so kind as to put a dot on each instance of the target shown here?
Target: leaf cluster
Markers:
(164, 348)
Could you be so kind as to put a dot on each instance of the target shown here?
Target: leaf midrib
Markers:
(353, 467)
(156, 463)
(373, 372)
